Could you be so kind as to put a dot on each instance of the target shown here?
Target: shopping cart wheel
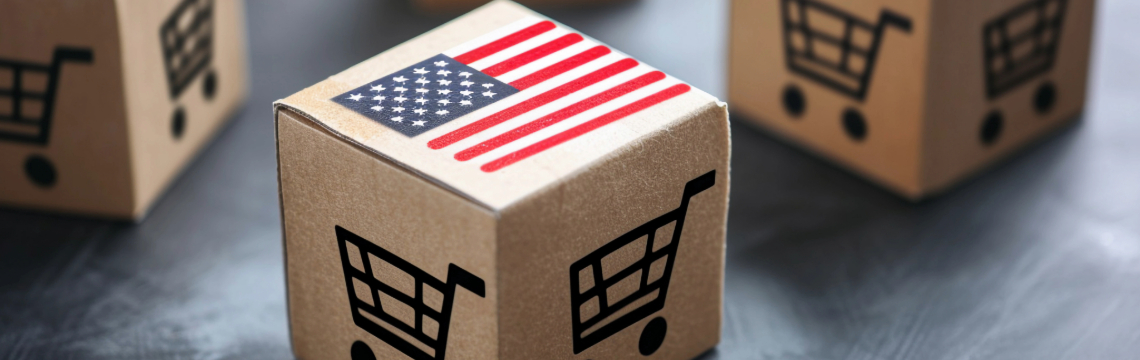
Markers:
(794, 100)
(652, 336)
(991, 128)
(854, 124)
(178, 123)
(210, 84)
(1046, 96)
(40, 171)
(361, 351)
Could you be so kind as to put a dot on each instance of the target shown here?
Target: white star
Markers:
(400, 89)
(398, 109)
(379, 98)
(400, 99)
(440, 63)
(444, 102)
(421, 101)
(355, 97)
(421, 91)
(467, 83)
(441, 112)
(444, 82)
(418, 123)
(377, 108)
(443, 72)
(443, 92)
(419, 111)
(398, 119)
(422, 81)
(489, 94)
(400, 79)
(419, 71)
(465, 74)
(466, 92)
(378, 88)
(465, 102)
(488, 85)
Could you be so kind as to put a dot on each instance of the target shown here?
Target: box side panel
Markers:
(983, 106)
(789, 74)
(66, 148)
(187, 61)
(547, 237)
(326, 183)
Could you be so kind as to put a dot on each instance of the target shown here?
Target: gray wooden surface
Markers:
(1036, 259)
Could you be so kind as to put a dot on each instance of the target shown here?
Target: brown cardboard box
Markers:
(443, 6)
(928, 92)
(407, 235)
(103, 102)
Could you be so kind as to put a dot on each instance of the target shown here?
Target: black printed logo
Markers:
(1019, 46)
(626, 280)
(398, 302)
(840, 57)
(187, 38)
(30, 102)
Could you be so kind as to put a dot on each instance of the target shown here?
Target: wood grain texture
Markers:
(1035, 259)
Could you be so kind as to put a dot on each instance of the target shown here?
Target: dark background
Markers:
(1038, 258)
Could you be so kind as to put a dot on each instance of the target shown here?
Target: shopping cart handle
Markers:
(890, 17)
(458, 276)
(73, 54)
(701, 183)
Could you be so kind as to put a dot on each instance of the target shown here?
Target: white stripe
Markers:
(544, 62)
(552, 107)
(575, 120)
(522, 95)
(519, 48)
(493, 35)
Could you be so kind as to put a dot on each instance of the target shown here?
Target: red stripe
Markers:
(560, 67)
(532, 55)
(586, 127)
(558, 116)
(505, 42)
(532, 103)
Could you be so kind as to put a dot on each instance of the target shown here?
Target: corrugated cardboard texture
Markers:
(325, 183)
(110, 139)
(496, 189)
(87, 140)
(156, 154)
(926, 100)
(540, 238)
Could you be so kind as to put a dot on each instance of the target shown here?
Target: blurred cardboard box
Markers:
(103, 102)
(443, 6)
(502, 187)
(915, 95)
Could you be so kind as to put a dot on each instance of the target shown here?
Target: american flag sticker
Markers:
(516, 92)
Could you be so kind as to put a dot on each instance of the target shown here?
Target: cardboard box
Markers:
(444, 6)
(103, 102)
(914, 94)
(514, 220)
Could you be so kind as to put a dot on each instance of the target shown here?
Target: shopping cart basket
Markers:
(369, 314)
(33, 126)
(842, 61)
(596, 316)
(187, 47)
(1019, 46)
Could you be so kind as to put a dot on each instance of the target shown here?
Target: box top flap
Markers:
(499, 103)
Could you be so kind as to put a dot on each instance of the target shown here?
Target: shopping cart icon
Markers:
(29, 112)
(1020, 45)
(382, 309)
(840, 57)
(606, 296)
(187, 38)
